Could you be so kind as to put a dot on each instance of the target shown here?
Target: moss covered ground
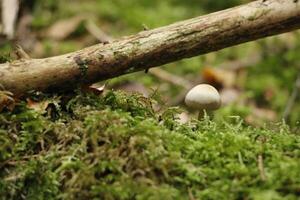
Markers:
(120, 146)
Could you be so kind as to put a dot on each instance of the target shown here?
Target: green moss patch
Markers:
(117, 146)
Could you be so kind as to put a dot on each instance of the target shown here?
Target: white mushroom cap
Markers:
(203, 96)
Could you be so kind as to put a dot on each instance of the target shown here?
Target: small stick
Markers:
(171, 78)
(145, 27)
(261, 167)
(20, 53)
(98, 33)
(191, 196)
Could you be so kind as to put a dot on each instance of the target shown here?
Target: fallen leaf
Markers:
(6, 101)
(219, 78)
(38, 106)
(95, 88)
(44, 106)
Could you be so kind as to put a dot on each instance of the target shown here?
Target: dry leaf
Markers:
(95, 88)
(219, 78)
(6, 101)
(45, 106)
(64, 28)
(37, 106)
(10, 10)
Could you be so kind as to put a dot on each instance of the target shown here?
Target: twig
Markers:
(97, 32)
(261, 167)
(191, 196)
(166, 76)
(20, 53)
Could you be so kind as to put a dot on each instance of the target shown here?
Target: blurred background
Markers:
(259, 81)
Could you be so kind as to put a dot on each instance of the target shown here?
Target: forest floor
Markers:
(120, 146)
(133, 138)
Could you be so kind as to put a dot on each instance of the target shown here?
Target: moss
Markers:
(82, 66)
(117, 146)
(5, 58)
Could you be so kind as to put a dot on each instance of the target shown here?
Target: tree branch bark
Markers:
(152, 48)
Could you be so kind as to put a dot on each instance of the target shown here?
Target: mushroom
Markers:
(204, 98)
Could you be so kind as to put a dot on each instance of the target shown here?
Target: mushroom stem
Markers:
(201, 114)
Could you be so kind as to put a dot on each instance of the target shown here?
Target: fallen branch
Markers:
(152, 48)
(157, 72)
